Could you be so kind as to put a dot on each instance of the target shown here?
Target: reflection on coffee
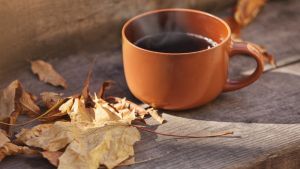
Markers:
(175, 42)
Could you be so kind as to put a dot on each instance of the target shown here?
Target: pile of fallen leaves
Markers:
(80, 131)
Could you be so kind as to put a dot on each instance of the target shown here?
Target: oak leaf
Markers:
(47, 73)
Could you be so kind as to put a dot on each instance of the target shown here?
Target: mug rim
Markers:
(127, 23)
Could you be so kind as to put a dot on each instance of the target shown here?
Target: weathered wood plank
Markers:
(266, 114)
(34, 29)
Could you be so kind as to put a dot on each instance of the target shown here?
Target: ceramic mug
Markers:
(177, 81)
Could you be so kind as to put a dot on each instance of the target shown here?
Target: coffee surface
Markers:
(175, 42)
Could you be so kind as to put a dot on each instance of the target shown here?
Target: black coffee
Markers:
(175, 42)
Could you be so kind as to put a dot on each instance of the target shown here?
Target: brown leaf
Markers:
(52, 156)
(267, 56)
(50, 98)
(28, 103)
(7, 148)
(14, 100)
(246, 11)
(105, 86)
(154, 115)
(85, 93)
(3, 138)
(47, 73)
(11, 149)
(7, 100)
(55, 113)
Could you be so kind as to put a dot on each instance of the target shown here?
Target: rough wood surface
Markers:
(43, 28)
(266, 114)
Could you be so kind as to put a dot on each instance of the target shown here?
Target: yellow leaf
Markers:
(247, 10)
(154, 115)
(50, 137)
(88, 146)
(46, 73)
(108, 145)
(79, 113)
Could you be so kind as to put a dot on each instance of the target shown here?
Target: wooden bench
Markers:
(266, 114)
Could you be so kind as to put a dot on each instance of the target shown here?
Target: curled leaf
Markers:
(105, 86)
(14, 100)
(247, 10)
(154, 115)
(7, 148)
(7, 100)
(47, 73)
(124, 103)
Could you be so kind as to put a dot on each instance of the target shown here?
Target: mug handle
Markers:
(249, 50)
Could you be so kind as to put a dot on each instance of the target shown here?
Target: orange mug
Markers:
(177, 81)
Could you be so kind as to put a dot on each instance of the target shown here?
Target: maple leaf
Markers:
(47, 73)
(87, 146)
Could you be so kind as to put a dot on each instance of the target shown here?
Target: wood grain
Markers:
(42, 28)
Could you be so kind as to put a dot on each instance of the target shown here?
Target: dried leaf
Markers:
(88, 146)
(108, 145)
(105, 86)
(14, 100)
(67, 106)
(3, 138)
(247, 10)
(50, 98)
(154, 115)
(85, 93)
(79, 113)
(103, 113)
(50, 137)
(28, 103)
(7, 100)
(267, 56)
(11, 149)
(46, 73)
(52, 156)
(7, 148)
(121, 103)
